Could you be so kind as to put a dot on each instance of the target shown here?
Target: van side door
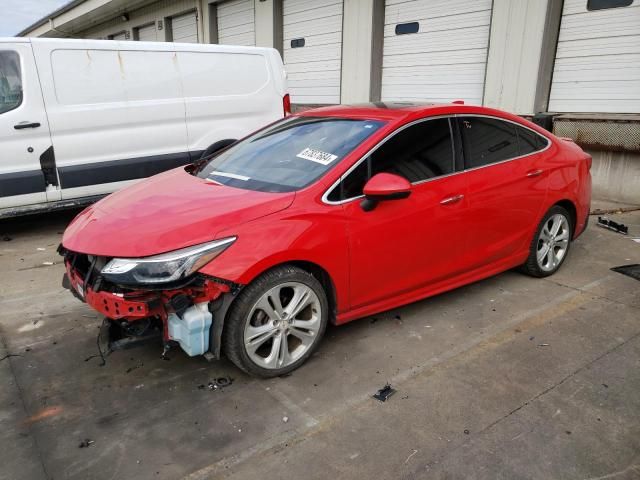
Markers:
(26, 158)
(116, 113)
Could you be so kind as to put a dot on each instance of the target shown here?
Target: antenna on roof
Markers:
(458, 102)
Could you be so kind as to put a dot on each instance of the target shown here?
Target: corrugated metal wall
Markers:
(597, 66)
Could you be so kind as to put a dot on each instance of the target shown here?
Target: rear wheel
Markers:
(551, 243)
(276, 323)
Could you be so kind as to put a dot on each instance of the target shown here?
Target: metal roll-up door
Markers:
(313, 50)
(118, 36)
(236, 23)
(184, 28)
(435, 50)
(148, 33)
(597, 65)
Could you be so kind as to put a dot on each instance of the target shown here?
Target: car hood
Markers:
(166, 212)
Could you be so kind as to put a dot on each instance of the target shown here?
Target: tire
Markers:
(557, 246)
(263, 335)
(219, 145)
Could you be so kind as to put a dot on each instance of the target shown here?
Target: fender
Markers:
(291, 237)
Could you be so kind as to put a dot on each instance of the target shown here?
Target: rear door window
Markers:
(10, 81)
(487, 141)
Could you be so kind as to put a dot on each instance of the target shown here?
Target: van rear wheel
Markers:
(216, 147)
(276, 323)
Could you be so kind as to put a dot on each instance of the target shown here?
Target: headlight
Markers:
(166, 267)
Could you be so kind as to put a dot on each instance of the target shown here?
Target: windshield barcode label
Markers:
(317, 156)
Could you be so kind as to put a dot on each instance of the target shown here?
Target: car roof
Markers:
(372, 111)
(401, 112)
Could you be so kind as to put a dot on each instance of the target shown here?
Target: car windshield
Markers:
(288, 155)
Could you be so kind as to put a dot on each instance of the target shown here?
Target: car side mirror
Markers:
(384, 186)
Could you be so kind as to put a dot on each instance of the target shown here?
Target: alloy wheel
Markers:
(282, 325)
(553, 242)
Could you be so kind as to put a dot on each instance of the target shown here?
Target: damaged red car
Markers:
(326, 216)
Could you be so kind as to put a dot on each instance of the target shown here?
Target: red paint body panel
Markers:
(165, 212)
(401, 251)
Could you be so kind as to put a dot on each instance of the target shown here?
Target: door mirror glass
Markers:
(384, 186)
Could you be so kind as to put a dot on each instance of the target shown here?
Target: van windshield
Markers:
(289, 154)
(10, 82)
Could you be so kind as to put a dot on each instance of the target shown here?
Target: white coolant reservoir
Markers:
(192, 330)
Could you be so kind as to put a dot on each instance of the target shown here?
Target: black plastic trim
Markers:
(120, 170)
(21, 183)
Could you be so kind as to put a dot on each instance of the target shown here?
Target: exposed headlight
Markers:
(166, 267)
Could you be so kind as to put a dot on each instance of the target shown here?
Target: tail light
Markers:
(286, 104)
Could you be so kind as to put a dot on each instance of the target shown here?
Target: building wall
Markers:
(520, 60)
(156, 12)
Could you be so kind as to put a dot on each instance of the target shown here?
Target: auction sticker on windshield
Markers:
(317, 156)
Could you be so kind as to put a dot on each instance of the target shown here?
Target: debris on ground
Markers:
(40, 249)
(543, 344)
(85, 443)
(285, 419)
(217, 384)
(632, 271)
(466, 432)
(48, 264)
(413, 452)
(384, 393)
(611, 225)
(6, 238)
(10, 355)
(131, 369)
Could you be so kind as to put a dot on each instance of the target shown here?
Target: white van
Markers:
(83, 118)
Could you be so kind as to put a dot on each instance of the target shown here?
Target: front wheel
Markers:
(550, 244)
(276, 322)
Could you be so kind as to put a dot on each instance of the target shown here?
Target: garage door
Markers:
(597, 66)
(184, 28)
(148, 33)
(118, 36)
(236, 23)
(435, 50)
(313, 50)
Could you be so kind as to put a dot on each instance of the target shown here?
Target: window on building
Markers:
(529, 141)
(487, 141)
(604, 4)
(10, 81)
(405, 28)
(420, 152)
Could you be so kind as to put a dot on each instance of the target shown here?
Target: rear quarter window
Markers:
(529, 141)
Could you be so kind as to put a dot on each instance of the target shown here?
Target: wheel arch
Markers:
(221, 307)
(570, 207)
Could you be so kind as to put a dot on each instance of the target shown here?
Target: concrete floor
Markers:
(512, 377)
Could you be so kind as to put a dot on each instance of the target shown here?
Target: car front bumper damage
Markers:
(189, 314)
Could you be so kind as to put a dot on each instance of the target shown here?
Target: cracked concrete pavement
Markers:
(511, 377)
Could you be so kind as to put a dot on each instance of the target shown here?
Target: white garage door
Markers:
(236, 23)
(119, 36)
(597, 66)
(184, 28)
(435, 50)
(148, 33)
(312, 50)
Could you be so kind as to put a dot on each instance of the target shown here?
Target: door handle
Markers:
(451, 200)
(23, 125)
(534, 173)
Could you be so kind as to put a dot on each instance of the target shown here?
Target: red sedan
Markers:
(327, 216)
